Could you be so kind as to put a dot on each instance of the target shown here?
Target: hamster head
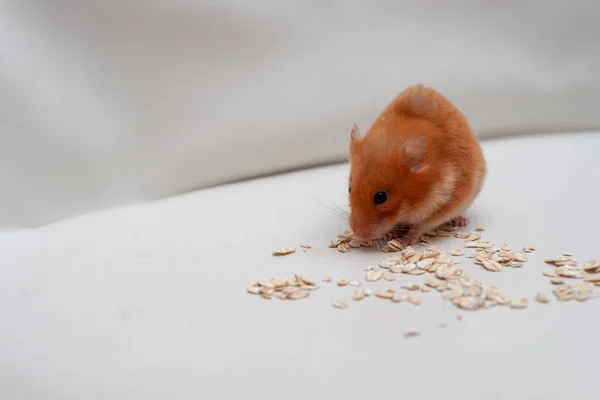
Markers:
(388, 182)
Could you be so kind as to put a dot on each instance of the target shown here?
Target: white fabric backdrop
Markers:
(109, 102)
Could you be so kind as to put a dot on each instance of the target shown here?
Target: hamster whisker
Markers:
(377, 242)
(335, 210)
(338, 217)
(337, 206)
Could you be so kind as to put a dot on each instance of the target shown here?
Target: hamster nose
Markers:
(360, 230)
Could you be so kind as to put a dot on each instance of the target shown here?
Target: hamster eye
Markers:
(349, 189)
(380, 197)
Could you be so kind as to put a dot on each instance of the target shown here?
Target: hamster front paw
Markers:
(412, 237)
(459, 222)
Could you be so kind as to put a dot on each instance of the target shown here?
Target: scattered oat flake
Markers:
(265, 284)
(417, 272)
(592, 278)
(375, 275)
(395, 245)
(478, 245)
(358, 294)
(343, 248)
(556, 260)
(304, 281)
(284, 251)
(340, 303)
(310, 287)
(385, 293)
(469, 302)
(399, 296)
(458, 253)
(492, 265)
(519, 256)
(343, 282)
(413, 300)
(528, 249)
(298, 294)
(570, 272)
(254, 290)
(278, 282)
(326, 279)
(411, 287)
(473, 237)
(281, 295)
(369, 268)
(550, 274)
(425, 264)
(430, 254)
(482, 256)
(479, 228)
(519, 303)
(444, 271)
(542, 298)
(389, 277)
(592, 266)
(557, 281)
(306, 246)
(354, 283)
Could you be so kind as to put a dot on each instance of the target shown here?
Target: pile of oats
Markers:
(565, 267)
(469, 294)
(449, 279)
(346, 240)
(397, 296)
(285, 289)
(577, 291)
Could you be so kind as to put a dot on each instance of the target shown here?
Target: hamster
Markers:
(419, 165)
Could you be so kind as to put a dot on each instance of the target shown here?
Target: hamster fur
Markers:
(419, 164)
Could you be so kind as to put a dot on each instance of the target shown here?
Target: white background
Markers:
(110, 102)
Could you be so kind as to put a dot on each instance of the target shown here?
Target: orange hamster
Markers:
(419, 165)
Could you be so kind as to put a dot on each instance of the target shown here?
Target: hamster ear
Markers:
(354, 135)
(413, 151)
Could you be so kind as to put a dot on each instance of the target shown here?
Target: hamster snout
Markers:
(361, 229)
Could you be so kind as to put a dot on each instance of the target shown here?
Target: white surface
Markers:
(149, 302)
(116, 101)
